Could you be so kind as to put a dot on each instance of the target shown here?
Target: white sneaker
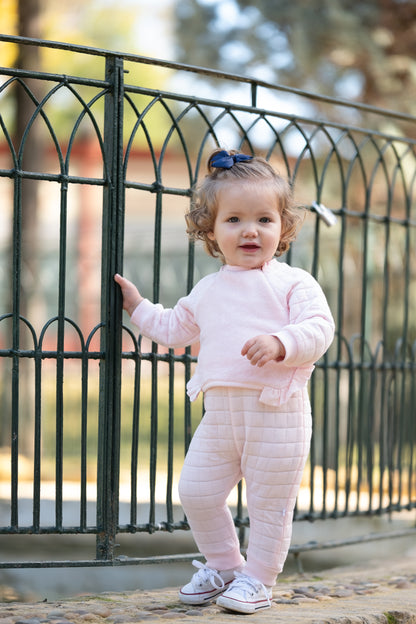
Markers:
(205, 585)
(246, 595)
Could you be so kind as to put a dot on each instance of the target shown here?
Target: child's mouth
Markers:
(250, 247)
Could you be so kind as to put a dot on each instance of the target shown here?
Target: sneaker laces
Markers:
(248, 584)
(206, 575)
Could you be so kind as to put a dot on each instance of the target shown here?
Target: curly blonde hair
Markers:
(201, 217)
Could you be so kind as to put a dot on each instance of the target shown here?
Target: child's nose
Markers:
(250, 230)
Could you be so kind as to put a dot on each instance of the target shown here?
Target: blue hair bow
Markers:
(224, 160)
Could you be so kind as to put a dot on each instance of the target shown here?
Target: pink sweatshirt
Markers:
(227, 308)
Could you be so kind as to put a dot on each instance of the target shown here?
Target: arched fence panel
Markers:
(95, 419)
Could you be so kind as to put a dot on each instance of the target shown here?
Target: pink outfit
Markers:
(257, 422)
(268, 446)
(227, 308)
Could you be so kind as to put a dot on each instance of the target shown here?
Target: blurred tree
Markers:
(31, 148)
(29, 59)
(86, 24)
(355, 49)
(96, 23)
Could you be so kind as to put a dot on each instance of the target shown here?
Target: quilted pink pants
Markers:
(268, 446)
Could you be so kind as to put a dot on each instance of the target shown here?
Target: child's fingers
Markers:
(260, 350)
(247, 346)
(253, 351)
(255, 356)
(122, 282)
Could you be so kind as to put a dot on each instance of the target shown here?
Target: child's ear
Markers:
(211, 236)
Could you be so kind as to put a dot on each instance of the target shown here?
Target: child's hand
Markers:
(131, 296)
(263, 349)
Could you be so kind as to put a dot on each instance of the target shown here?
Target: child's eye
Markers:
(265, 220)
(233, 220)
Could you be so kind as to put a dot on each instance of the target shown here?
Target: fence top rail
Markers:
(213, 73)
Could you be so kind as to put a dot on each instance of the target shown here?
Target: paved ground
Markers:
(376, 592)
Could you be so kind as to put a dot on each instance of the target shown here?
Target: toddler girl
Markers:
(261, 325)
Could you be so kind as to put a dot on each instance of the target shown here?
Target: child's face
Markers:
(247, 227)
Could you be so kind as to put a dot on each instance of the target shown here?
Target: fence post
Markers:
(111, 316)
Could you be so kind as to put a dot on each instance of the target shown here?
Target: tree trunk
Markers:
(32, 156)
(29, 58)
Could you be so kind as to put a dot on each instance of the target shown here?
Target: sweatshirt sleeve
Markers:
(170, 327)
(311, 326)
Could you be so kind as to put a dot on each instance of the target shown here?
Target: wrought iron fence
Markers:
(86, 401)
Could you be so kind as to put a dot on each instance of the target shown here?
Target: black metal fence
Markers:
(95, 421)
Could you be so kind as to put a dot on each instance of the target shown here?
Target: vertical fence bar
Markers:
(171, 442)
(111, 316)
(135, 433)
(154, 412)
(59, 442)
(37, 440)
(187, 421)
(16, 280)
(84, 437)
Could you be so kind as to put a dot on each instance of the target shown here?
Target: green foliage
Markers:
(360, 49)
